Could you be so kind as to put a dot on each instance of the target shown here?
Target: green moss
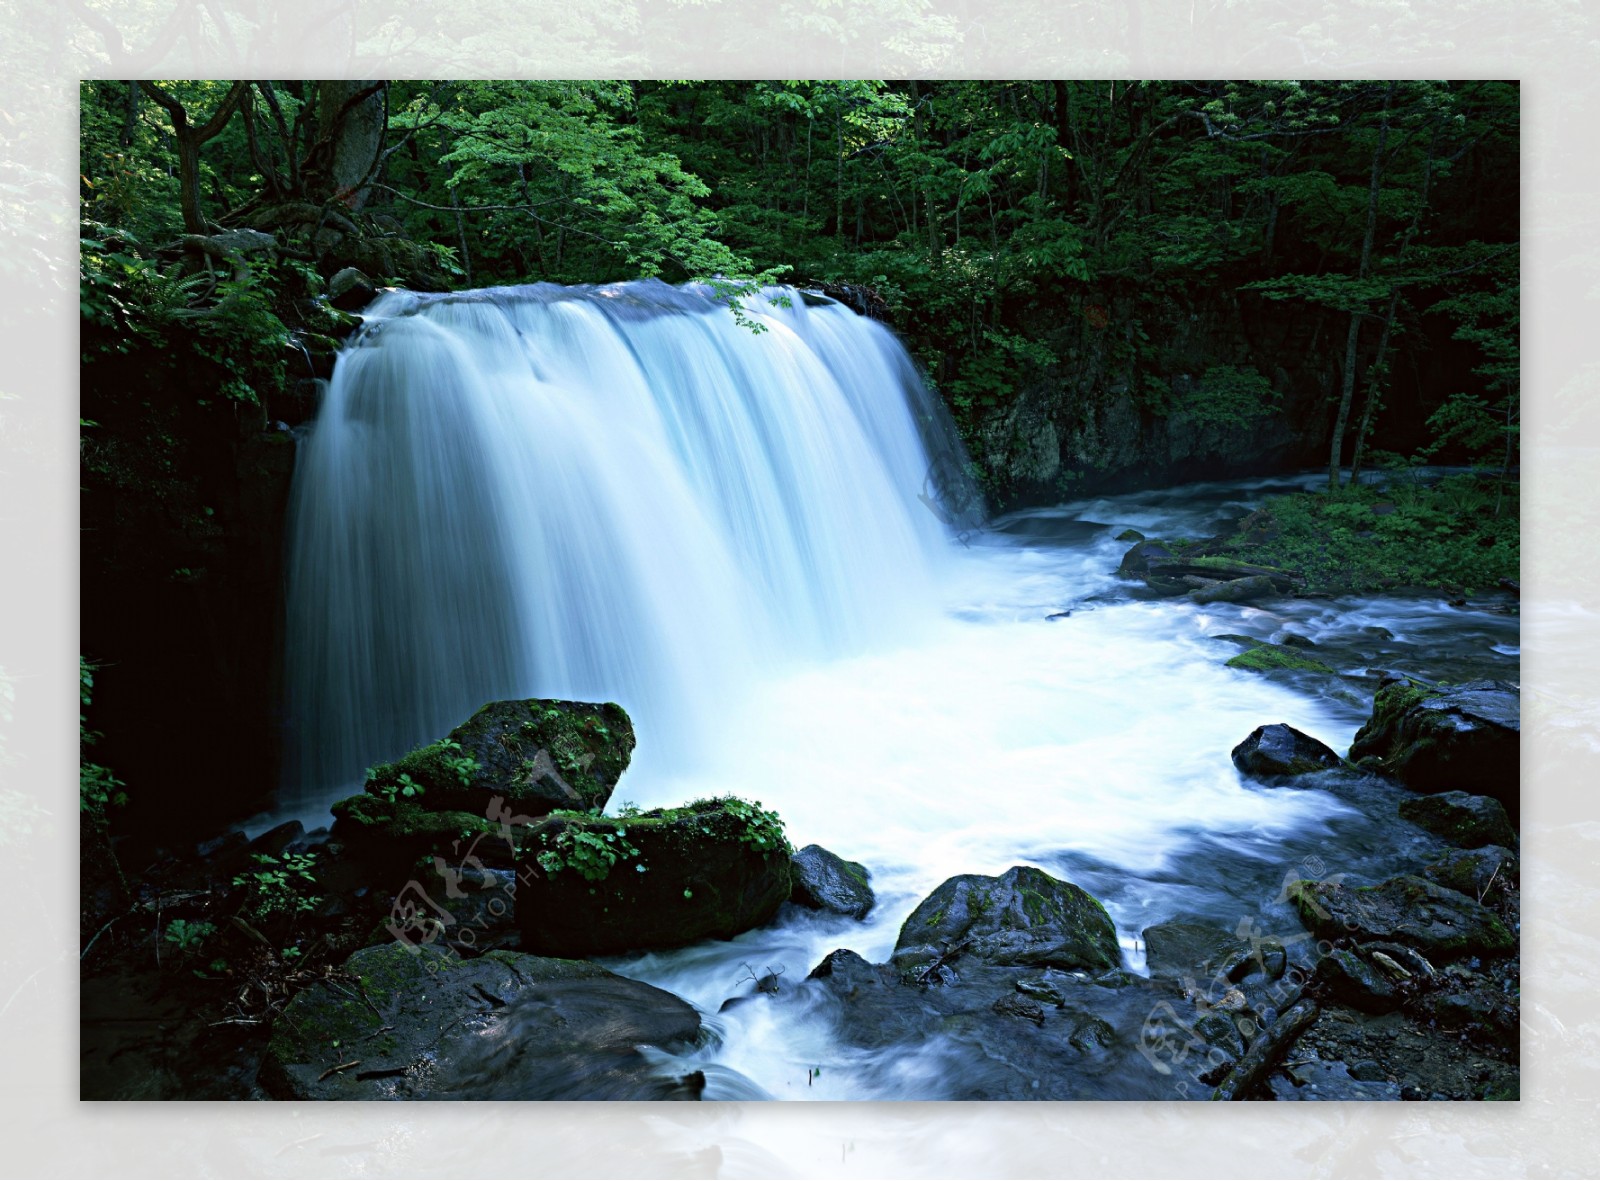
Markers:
(1271, 657)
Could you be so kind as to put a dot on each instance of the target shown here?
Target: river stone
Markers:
(983, 1037)
(1346, 977)
(1460, 818)
(1023, 917)
(1234, 590)
(1440, 923)
(1136, 562)
(501, 1026)
(350, 290)
(1189, 947)
(826, 881)
(1280, 749)
(1460, 737)
(1475, 872)
(535, 755)
(675, 876)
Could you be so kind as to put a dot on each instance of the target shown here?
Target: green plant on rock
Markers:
(279, 886)
(590, 852)
(761, 828)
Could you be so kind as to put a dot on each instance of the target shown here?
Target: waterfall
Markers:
(602, 493)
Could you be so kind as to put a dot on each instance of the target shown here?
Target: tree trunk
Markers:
(353, 117)
(189, 139)
(1347, 394)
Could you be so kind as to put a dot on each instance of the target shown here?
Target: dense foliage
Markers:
(1005, 227)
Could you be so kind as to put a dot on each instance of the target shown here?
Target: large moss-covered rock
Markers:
(1266, 658)
(1461, 818)
(594, 885)
(1456, 738)
(1023, 917)
(1440, 923)
(403, 1023)
(537, 755)
(826, 881)
(1280, 749)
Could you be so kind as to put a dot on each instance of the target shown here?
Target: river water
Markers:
(762, 546)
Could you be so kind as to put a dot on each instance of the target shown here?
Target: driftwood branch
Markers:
(1260, 1058)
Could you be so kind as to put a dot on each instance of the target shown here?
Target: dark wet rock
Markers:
(1295, 640)
(534, 755)
(1461, 818)
(993, 1040)
(228, 844)
(826, 881)
(1368, 1071)
(1129, 535)
(1234, 590)
(1022, 917)
(1280, 749)
(1345, 977)
(398, 1025)
(1475, 872)
(1189, 947)
(1440, 923)
(1450, 738)
(592, 885)
(1234, 638)
(274, 841)
(1136, 562)
(350, 290)
(1019, 1006)
(1040, 989)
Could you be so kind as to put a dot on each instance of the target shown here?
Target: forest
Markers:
(1108, 289)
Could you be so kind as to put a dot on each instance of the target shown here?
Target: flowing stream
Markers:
(763, 546)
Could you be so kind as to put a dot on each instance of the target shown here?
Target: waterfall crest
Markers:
(604, 493)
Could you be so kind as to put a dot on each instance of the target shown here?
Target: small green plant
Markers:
(464, 766)
(186, 936)
(279, 886)
(761, 828)
(589, 852)
(98, 788)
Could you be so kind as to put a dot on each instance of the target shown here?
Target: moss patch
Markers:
(1272, 657)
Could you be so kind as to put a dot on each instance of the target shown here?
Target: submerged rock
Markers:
(1023, 917)
(1440, 923)
(1460, 737)
(595, 885)
(1280, 749)
(1460, 818)
(826, 881)
(402, 1023)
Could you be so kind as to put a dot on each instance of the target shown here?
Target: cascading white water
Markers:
(622, 494)
(615, 493)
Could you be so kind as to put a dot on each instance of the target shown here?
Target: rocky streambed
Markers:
(448, 953)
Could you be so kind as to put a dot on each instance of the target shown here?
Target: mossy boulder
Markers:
(1234, 590)
(1023, 917)
(417, 1023)
(1461, 818)
(383, 839)
(596, 885)
(1440, 923)
(1280, 750)
(826, 881)
(1450, 738)
(1136, 562)
(1265, 658)
(536, 755)
(1483, 873)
